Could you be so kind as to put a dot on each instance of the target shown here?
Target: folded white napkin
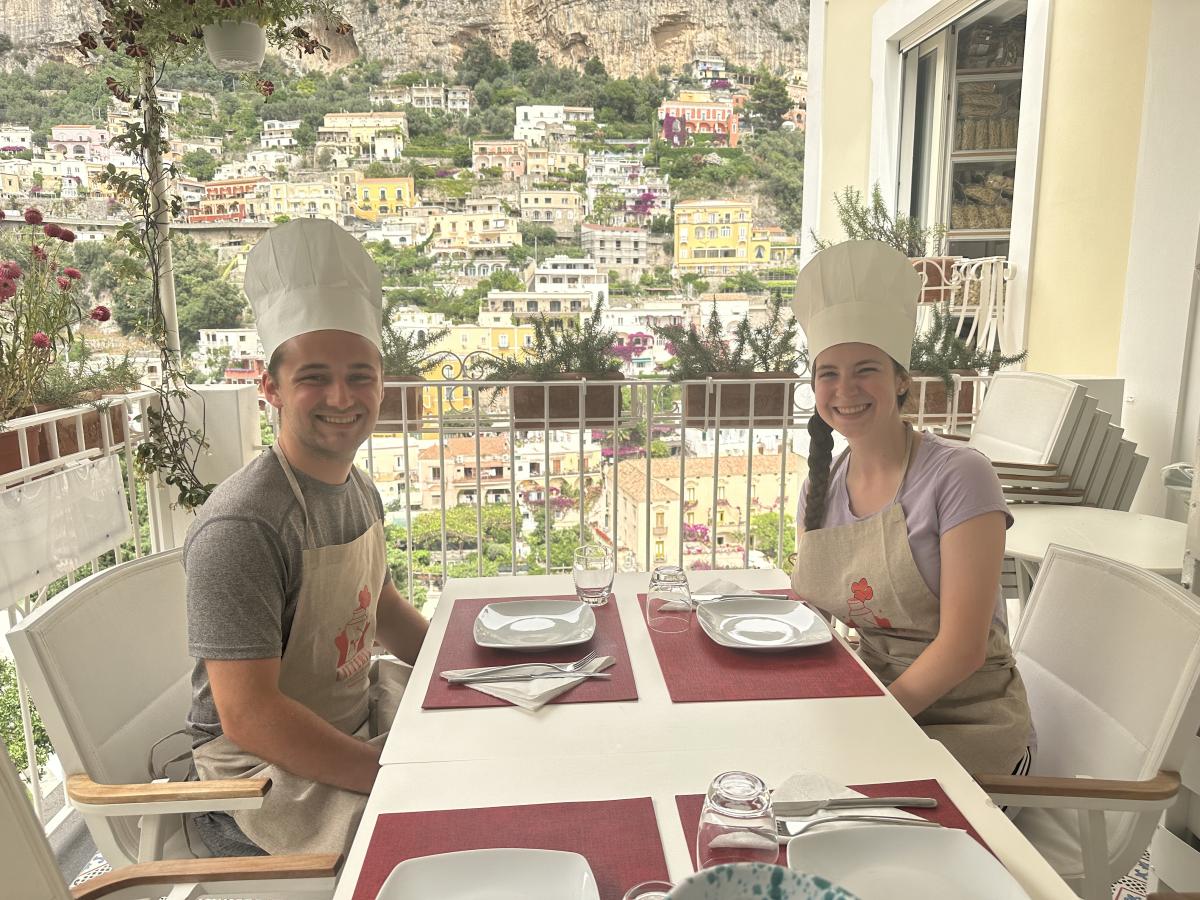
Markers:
(536, 693)
(815, 786)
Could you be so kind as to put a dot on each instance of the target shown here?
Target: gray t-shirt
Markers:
(242, 556)
(947, 484)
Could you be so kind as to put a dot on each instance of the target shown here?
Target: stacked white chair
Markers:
(30, 870)
(106, 663)
(1114, 725)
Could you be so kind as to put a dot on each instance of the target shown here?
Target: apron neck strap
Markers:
(909, 440)
(291, 477)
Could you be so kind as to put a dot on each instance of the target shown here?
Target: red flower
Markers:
(8, 288)
(40, 340)
(11, 269)
(265, 87)
(64, 284)
(33, 216)
(2, 216)
(72, 273)
(51, 230)
(67, 235)
(863, 592)
(101, 314)
(38, 252)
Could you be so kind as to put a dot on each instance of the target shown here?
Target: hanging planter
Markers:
(772, 405)
(236, 46)
(402, 403)
(600, 402)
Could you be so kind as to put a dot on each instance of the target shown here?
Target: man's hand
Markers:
(264, 721)
(399, 627)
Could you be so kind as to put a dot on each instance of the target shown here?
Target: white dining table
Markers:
(651, 747)
(1148, 542)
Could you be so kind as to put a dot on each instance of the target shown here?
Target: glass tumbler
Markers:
(649, 890)
(593, 569)
(669, 600)
(737, 823)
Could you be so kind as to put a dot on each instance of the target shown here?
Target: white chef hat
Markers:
(311, 275)
(862, 292)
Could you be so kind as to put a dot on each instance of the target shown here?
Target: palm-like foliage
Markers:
(586, 350)
(770, 347)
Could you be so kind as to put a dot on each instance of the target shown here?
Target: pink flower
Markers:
(33, 216)
(2, 216)
(64, 284)
(38, 252)
(101, 314)
(67, 235)
(74, 274)
(41, 340)
(11, 269)
(7, 289)
(51, 230)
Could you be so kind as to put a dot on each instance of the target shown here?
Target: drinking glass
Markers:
(594, 568)
(737, 823)
(669, 600)
(649, 890)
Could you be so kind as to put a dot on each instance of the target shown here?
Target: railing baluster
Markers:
(35, 782)
(408, 533)
(783, 458)
(546, 471)
(650, 559)
(749, 475)
(478, 497)
(683, 497)
(512, 478)
(442, 473)
(716, 470)
(581, 464)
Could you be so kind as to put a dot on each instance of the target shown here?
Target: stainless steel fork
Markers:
(554, 667)
(790, 829)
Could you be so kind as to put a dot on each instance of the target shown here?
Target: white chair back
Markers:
(1027, 417)
(25, 858)
(1110, 656)
(106, 663)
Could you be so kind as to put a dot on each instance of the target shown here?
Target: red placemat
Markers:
(698, 669)
(619, 838)
(946, 813)
(459, 651)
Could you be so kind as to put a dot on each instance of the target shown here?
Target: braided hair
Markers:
(820, 456)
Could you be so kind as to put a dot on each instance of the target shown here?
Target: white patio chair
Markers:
(106, 664)
(30, 870)
(1110, 655)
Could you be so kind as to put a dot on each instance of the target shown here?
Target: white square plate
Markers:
(762, 623)
(534, 624)
(492, 875)
(900, 862)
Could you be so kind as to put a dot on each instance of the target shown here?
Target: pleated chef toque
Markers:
(311, 275)
(858, 292)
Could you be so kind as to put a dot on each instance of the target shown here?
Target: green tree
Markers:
(764, 535)
(522, 55)
(594, 68)
(563, 542)
(769, 99)
(744, 282)
(200, 164)
(608, 202)
(10, 722)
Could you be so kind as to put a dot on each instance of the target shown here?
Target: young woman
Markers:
(902, 536)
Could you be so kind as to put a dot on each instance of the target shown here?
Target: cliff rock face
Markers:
(629, 36)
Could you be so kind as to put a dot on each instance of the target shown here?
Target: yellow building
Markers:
(473, 228)
(356, 133)
(304, 200)
(1089, 188)
(377, 197)
(718, 237)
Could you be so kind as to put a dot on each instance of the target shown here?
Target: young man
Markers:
(287, 579)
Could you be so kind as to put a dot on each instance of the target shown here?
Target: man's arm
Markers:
(264, 721)
(399, 627)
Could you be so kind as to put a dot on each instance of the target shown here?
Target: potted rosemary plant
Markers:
(406, 359)
(942, 352)
(871, 221)
(768, 354)
(568, 354)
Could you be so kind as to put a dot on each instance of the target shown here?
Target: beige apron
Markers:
(326, 666)
(864, 574)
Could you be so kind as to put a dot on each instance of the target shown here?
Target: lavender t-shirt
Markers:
(947, 484)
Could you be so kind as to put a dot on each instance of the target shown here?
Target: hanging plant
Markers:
(153, 33)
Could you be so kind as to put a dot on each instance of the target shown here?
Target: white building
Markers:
(532, 122)
(427, 96)
(240, 341)
(277, 133)
(460, 99)
(566, 273)
(16, 136)
(708, 69)
(628, 250)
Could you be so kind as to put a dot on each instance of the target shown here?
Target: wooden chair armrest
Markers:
(952, 436)
(81, 789)
(166, 873)
(1162, 786)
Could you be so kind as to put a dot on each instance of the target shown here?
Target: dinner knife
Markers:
(482, 679)
(802, 808)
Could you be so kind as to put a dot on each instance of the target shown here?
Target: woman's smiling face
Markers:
(856, 388)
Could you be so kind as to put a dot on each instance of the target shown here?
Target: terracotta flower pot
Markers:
(772, 396)
(93, 436)
(403, 403)
(10, 449)
(937, 273)
(235, 46)
(529, 403)
(936, 397)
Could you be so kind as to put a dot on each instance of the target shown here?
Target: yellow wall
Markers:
(1091, 131)
(846, 104)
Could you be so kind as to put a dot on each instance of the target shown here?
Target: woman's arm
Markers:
(972, 553)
